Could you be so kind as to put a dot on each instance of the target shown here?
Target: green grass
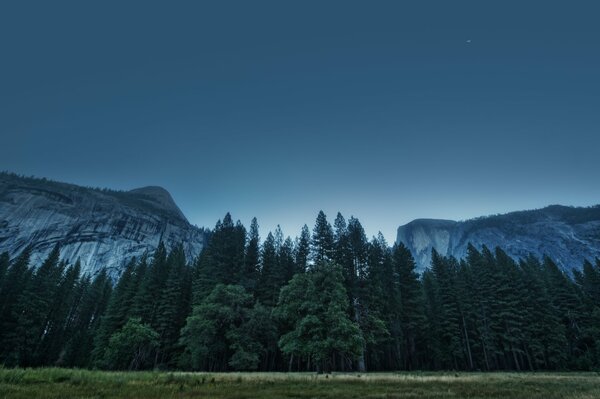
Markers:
(63, 383)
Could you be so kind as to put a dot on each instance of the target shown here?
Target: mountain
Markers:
(568, 235)
(102, 228)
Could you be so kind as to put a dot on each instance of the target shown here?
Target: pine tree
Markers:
(568, 303)
(173, 306)
(353, 248)
(444, 271)
(145, 302)
(286, 260)
(545, 335)
(17, 279)
(591, 281)
(84, 320)
(32, 310)
(52, 340)
(4, 262)
(483, 265)
(252, 258)
(467, 307)
(509, 307)
(342, 256)
(118, 311)
(322, 240)
(411, 318)
(270, 279)
(303, 250)
(383, 351)
(223, 260)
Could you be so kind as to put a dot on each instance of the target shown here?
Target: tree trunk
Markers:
(485, 356)
(515, 358)
(361, 357)
(468, 344)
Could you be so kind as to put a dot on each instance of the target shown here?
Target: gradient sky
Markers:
(276, 109)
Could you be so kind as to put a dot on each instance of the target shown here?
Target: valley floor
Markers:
(64, 383)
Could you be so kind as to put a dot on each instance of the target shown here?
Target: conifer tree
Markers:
(52, 340)
(303, 250)
(545, 334)
(117, 313)
(32, 310)
(84, 320)
(148, 288)
(252, 258)
(383, 352)
(322, 240)
(17, 278)
(287, 264)
(270, 278)
(444, 271)
(4, 262)
(173, 306)
(410, 304)
(223, 260)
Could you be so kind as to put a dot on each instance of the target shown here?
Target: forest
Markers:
(328, 300)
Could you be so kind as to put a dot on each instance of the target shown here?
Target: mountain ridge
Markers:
(566, 233)
(102, 228)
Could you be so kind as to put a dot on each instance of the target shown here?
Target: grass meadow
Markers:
(66, 383)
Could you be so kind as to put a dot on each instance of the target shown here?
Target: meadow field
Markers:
(66, 383)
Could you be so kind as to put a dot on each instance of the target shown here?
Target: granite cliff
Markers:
(101, 228)
(568, 235)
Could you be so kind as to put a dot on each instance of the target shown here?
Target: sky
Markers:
(384, 110)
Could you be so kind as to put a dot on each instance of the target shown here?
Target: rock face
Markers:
(102, 228)
(568, 235)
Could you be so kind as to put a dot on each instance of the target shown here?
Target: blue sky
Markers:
(383, 110)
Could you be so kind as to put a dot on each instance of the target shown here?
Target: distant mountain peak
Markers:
(159, 196)
(103, 228)
(567, 234)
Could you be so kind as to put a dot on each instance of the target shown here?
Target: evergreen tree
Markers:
(32, 310)
(252, 258)
(482, 263)
(410, 305)
(89, 304)
(448, 325)
(270, 276)
(565, 299)
(118, 311)
(544, 333)
(148, 287)
(53, 339)
(303, 250)
(383, 350)
(17, 279)
(173, 307)
(286, 260)
(322, 240)
(223, 260)
(4, 262)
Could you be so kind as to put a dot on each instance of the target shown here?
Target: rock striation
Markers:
(568, 235)
(101, 228)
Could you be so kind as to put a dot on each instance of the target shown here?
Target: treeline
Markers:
(327, 300)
